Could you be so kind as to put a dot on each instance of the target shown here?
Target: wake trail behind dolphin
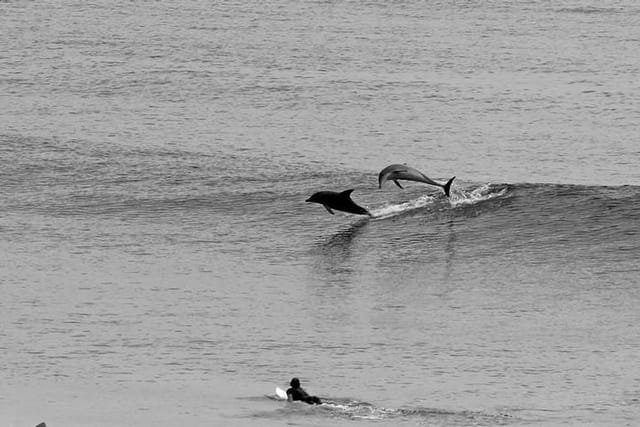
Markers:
(392, 210)
(460, 198)
(477, 195)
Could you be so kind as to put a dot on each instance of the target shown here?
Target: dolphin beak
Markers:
(308, 200)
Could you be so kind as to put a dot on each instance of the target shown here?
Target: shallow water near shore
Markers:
(160, 265)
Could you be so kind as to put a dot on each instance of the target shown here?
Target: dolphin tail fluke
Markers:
(447, 186)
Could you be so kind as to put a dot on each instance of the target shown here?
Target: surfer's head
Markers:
(295, 383)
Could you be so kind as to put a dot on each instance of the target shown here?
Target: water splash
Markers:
(392, 210)
(480, 194)
(459, 197)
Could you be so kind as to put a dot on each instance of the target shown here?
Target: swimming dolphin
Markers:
(338, 201)
(396, 172)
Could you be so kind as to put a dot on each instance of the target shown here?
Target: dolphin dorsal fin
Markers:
(346, 193)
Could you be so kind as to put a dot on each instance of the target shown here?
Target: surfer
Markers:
(297, 393)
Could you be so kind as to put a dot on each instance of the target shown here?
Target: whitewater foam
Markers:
(401, 208)
(459, 197)
(479, 194)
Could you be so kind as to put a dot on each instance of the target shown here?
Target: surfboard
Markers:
(282, 395)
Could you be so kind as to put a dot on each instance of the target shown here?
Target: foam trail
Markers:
(358, 410)
(480, 194)
(458, 198)
(398, 209)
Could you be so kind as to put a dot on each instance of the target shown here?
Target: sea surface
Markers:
(159, 264)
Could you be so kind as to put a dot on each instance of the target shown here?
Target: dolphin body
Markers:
(338, 201)
(396, 172)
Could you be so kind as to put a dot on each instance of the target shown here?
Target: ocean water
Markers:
(158, 263)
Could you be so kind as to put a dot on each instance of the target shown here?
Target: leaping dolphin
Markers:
(338, 201)
(396, 172)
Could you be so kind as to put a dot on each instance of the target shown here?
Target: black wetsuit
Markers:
(300, 394)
